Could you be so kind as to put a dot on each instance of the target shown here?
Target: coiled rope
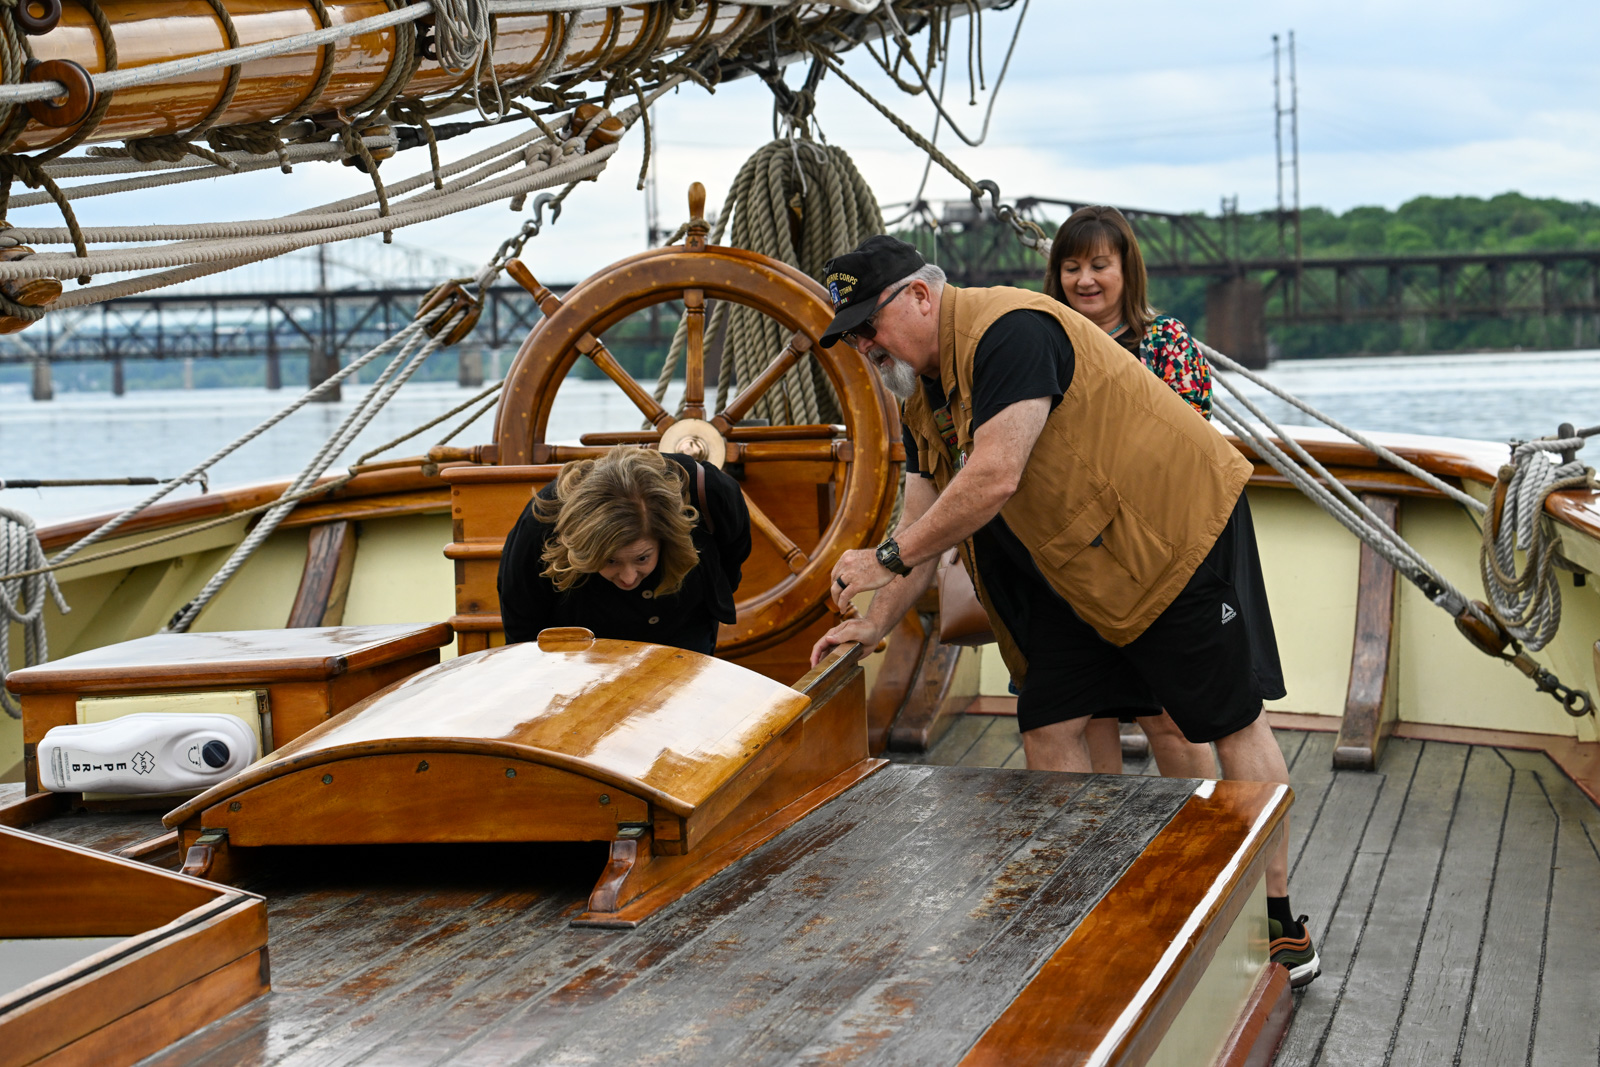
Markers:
(19, 551)
(802, 203)
(1528, 603)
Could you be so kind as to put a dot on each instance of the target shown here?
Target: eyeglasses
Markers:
(867, 331)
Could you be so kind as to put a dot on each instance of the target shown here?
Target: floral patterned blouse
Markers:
(1171, 355)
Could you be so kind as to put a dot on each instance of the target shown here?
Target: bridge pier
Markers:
(43, 387)
(1236, 321)
(320, 366)
(274, 369)
(119, 383)
(469, 372)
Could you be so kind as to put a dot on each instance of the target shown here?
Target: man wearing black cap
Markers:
(1102, 521)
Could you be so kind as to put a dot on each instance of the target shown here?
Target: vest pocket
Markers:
(1106, 576)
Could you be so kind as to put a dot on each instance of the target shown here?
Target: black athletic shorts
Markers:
(1210, 659)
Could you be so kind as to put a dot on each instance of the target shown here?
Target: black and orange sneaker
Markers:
(1297, 954)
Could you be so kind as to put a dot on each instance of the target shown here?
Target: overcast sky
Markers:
(1163, 105)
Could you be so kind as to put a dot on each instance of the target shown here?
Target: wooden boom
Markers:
(154, 31)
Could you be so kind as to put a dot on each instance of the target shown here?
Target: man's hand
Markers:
(859, 572)
(852, 630)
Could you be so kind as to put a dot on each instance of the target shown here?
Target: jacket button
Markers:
(647, 594)
(654, 619)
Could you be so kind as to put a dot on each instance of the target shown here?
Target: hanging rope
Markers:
(19, 551)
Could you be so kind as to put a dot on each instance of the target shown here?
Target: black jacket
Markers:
(688, 619)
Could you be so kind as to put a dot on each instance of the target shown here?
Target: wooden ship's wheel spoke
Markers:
(799, 344)
(595, 349)
(694, 369)
(790, 552)
(814, 490)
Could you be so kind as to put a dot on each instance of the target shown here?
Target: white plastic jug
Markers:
(145, 753)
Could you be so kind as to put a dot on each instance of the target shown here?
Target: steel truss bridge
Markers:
(1250, 290)
(305, 319)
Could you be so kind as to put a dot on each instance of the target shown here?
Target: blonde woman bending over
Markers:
(635, 545)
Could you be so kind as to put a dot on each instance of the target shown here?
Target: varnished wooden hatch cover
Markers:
(569, 741)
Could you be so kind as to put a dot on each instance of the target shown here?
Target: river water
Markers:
(163, 433)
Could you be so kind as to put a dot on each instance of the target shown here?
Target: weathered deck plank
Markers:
(104, 830)
(1311, 774)
(1369, 1001)
(1511, 959)
(998, 742)
(1338, 935)
(1439, 983)
(1568, 1030)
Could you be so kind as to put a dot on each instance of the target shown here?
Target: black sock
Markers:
(1278, 908)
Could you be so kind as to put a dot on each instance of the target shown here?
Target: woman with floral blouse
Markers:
(1097, 270)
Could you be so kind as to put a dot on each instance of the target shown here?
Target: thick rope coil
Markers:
(804, 228)
(1528, 602)
(20, 550)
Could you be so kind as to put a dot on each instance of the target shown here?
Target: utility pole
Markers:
(1285, 212)
(1277, 135)
(1294, 147)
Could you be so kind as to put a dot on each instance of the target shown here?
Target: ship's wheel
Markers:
(814, 491)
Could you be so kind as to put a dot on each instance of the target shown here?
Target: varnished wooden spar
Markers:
(681, 761)
(153, 31)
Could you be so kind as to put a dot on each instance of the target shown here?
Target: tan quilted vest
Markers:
(1127, 487)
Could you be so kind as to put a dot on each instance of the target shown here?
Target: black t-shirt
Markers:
(1023, 356)
(529, 601)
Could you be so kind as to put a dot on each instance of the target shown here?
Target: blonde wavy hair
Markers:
(602, 505)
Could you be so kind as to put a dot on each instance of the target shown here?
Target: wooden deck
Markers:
(893, 926)
(1453, 895)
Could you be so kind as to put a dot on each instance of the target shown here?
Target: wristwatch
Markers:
(889, 557)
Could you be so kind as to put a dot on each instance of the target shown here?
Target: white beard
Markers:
(897, 375)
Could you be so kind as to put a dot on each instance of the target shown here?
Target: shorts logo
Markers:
(1228, 614)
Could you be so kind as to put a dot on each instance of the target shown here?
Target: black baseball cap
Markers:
(856, 279)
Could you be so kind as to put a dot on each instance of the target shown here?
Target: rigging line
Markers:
(927, 164)
(994, 96)
(1450, 491)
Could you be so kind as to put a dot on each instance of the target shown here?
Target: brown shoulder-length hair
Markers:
(1089, 229)
(602, 505)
